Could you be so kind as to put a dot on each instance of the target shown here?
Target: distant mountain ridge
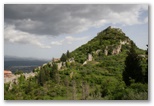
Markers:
(15, 58)
(25, 64)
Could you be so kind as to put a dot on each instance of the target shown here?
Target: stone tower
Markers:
(90, 57)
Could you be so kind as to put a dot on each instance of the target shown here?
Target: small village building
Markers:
(56, 59)
(7, 73)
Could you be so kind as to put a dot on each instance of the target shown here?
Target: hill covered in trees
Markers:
(108, 67)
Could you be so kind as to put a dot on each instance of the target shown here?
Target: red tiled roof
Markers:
(7, 72)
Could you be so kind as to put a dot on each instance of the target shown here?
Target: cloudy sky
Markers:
(46, 31)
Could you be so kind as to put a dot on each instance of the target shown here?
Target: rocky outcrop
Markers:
(50, 64)
(44, 64)
(142, 56)
(85, 63)
(116, 50)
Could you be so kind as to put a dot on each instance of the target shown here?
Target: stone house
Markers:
(56, 59)
(7, 73)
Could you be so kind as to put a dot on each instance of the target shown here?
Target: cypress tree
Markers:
(89, 49)
(146, 74)
(100, 41)
(133, 68)
(41, 77)
(54, 71)
(63, 58)
(68, 54)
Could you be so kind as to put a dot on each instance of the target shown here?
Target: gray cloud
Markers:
(16, 36)
(60, 19)
(67, 40)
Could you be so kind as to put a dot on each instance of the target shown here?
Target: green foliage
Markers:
(133, 69)
(68, 64)
(54, 73)
(18, 72)
(63, 57)
(41, 78)
(136, 91)
(146, 73)
(68, 54)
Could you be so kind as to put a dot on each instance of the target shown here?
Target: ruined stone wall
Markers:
(90, 57)
(14, 78)
(116, 50)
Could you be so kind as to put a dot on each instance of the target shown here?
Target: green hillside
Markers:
(110, 37)
(105, 68)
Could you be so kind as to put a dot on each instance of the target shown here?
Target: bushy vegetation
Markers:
(100, 79)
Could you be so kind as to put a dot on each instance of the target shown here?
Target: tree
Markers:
(68, 54)
(54, 73)
(47, 73)
(100, 41)
(85, 90)
(73, 90)
(66, 82)
(89, 49)
(28, 87)
(18, 72)
(146, 74)
(41, 77)
(133, 70)
(63, 57)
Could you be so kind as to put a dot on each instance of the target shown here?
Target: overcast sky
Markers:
(47, 31)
